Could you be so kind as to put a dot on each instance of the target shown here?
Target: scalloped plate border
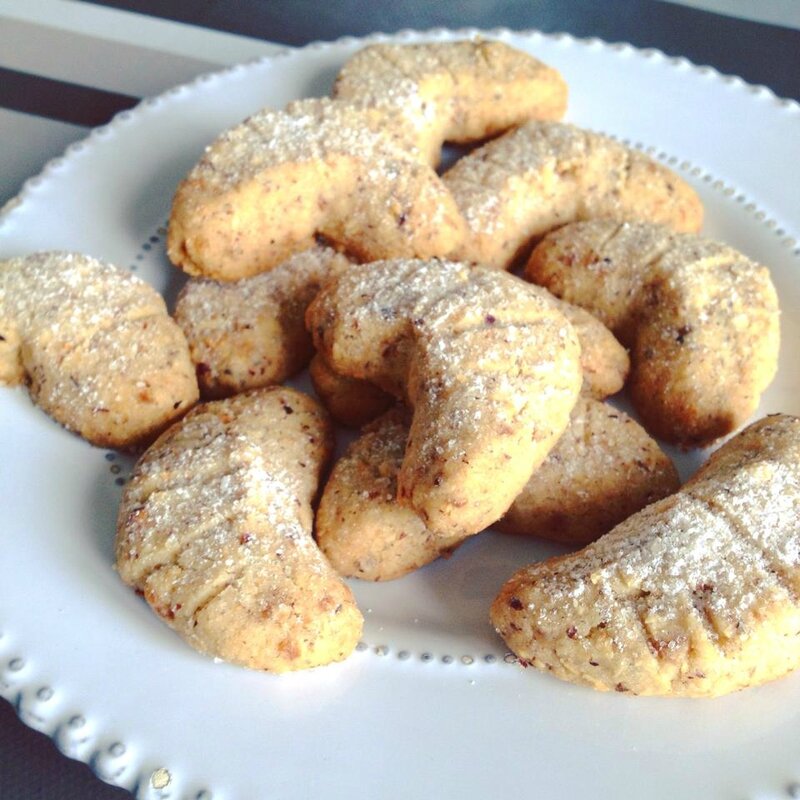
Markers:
(37, 702)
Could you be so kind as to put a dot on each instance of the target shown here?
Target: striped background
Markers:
(67, 65)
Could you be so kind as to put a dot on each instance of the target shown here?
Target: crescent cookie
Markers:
(452, 91)
(491, 369)
(215, 530)
(545, 174)
(267, 187)
(604, 364)
(604, 468)
(695, 595)
(95, 345)
(360, 526)
(251, 333)
(700, 318)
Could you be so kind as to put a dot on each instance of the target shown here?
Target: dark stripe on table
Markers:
(66, 102)
(755, 51)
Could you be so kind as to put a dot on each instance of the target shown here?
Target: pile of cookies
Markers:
(471, 323)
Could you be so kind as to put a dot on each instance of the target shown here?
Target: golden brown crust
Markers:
(542, 175)
(215, 530)
(490, 368)
(251, 333)
(604, 361)
(695, 595)
(604, 468)
(96, 346)
(701, 319)
(350, 401)
(265, 188)
(360, 526)
(452, 91)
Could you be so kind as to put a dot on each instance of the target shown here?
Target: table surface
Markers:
(66, 66)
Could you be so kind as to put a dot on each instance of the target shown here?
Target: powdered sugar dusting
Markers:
(265, 188)
(454, 91)
(310, 130)
(54, 294)
(677, 592)
(95, 344)
(487, 361)
(226, 460)
(545, 174)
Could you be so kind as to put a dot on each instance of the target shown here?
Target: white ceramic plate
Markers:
(428, 706)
